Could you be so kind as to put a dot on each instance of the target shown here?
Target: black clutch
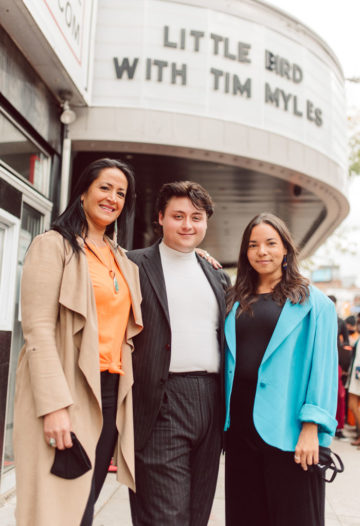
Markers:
(72, 462)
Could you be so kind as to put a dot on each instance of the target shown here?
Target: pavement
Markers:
(342, 496)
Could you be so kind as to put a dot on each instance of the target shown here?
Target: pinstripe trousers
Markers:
(176, 471)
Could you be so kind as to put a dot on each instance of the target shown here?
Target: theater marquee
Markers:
(185, 59)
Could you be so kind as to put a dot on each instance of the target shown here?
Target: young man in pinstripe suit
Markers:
(178, 367)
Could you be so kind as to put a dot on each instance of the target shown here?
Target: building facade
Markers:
(235, 95)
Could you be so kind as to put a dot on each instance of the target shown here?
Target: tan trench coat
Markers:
(59, 367)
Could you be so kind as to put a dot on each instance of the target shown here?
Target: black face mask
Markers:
(330, 464)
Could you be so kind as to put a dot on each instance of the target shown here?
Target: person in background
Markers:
(358, 322)
(280, 384)
(80, 303)
(353, 379)
(352, 329)
(344, 350)
(343, 333)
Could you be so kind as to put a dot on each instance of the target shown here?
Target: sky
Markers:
(337, 22)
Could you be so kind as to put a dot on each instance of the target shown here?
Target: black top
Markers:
(253, 333)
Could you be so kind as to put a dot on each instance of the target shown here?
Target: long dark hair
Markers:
(72, 222)
(292, 284)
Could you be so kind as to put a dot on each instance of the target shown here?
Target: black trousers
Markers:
(106, 444)
(176, 472)
(263, 485)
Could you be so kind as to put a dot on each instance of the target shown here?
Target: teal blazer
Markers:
(298, 376)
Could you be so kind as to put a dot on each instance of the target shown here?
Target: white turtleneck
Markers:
(194, 313)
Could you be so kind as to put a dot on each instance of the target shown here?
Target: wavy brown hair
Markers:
(292, 286)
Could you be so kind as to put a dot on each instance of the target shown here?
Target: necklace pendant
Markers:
(116, 285)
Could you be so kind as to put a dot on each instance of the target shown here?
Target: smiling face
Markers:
(266, 251)
(184, 226)
(104, 199)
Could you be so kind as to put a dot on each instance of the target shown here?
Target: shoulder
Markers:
(123, 255)
(319, 300)
(51, 246)
(50, 236)
(49, 242)
(224, 277)
(138, 255)
(219, 274)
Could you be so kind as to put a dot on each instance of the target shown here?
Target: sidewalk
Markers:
(342, 497)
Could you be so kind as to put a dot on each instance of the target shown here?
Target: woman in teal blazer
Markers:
(280, 384)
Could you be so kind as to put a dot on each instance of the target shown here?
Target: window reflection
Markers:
(23, 156)
(31, 223)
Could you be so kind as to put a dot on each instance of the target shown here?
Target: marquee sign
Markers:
(179, 58)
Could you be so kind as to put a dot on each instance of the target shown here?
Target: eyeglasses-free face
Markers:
(266, 251)
(184, 225)
(104, 199)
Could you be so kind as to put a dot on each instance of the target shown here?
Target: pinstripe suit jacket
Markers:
(151, 357)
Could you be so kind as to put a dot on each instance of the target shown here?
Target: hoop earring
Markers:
(284, 262)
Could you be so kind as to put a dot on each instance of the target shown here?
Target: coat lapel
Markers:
(75, 279)
(230, 329)
(153, 268)
(291, 315)
(131, 275)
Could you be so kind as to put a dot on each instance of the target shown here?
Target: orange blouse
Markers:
(113, 307)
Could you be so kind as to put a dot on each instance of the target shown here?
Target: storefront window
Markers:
(31, 225)
(23, 156)
(2, 239)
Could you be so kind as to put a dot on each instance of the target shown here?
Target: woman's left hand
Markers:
(307, 448)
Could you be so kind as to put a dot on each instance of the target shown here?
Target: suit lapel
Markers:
(153, 268)
(215, 285)
(291, 315)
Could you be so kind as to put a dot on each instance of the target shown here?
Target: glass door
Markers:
(31, 225)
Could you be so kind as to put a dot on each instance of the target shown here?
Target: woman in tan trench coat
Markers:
(59, 383)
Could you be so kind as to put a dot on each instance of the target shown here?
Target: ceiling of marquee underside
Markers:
(238, 194)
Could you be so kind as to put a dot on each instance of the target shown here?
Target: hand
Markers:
(307, 448)
(57, 426)
(205, 255)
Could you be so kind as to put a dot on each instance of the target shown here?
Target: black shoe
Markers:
(340, 436)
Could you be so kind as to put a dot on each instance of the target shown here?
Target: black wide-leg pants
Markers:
(176, 472)
(263, 485)
(106, 444)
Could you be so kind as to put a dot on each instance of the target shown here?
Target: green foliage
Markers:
(354, 155)
(343, 241)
